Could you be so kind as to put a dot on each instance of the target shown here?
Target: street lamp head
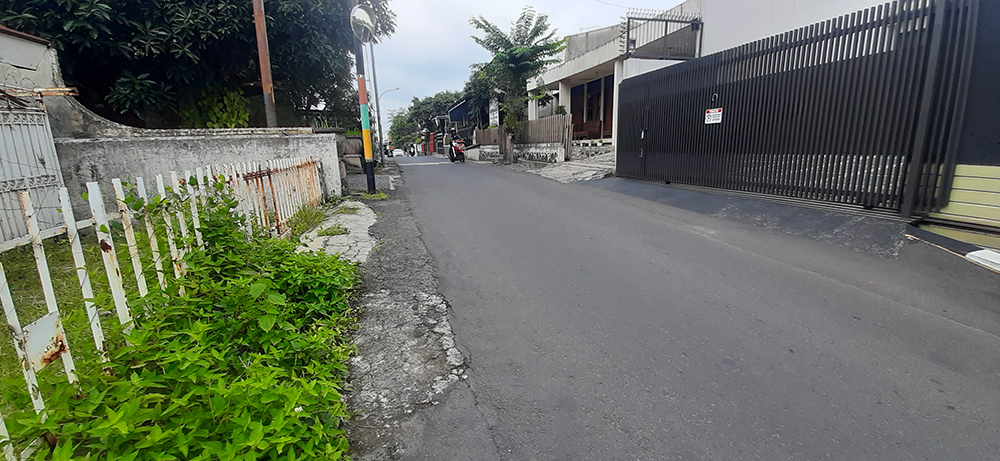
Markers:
(386, 91)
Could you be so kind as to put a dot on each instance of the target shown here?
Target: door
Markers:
(633, 130)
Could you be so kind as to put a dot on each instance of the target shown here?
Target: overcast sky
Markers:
(431, 50)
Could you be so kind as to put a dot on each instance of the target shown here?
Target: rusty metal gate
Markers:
(27, 162)
(864, 109)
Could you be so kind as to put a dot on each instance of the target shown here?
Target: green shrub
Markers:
(248, 364)
(217, 108)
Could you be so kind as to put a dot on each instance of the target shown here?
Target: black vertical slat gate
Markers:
(863, 109)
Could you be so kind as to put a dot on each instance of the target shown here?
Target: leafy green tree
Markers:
(142, 58)
(478, 92)
(518, 56)
(419, 115)
(403, 130)
(422, 111)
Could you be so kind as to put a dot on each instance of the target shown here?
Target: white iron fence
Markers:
(268, 192)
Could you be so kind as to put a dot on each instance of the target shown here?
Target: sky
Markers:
(432, 48)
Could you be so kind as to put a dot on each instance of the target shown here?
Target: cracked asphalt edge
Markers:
(406, 359)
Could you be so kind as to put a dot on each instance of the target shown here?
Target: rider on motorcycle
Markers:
(456, 146)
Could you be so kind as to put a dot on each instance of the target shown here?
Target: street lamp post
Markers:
(378, 107)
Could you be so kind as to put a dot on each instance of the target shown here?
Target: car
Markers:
(399, 152)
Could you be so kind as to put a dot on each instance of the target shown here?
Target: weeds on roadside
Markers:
(305, 220)
(375, 196)
(335, 229)
(346, 209)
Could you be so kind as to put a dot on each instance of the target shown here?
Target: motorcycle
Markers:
(457, 151)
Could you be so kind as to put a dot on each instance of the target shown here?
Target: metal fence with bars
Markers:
(662, 35)
(269, 193)
(863, 109)
(27, 162)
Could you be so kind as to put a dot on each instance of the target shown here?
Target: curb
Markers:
(987, 258)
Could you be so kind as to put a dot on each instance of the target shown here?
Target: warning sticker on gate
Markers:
(713, 116)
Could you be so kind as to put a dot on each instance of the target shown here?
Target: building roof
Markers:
(22, 35)
(461, 115)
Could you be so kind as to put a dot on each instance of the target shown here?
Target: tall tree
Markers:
(478, 91)
(144, 57)
(518, 56)
(403, 130)
(418, 115)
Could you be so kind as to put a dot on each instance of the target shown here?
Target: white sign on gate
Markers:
(713, 116)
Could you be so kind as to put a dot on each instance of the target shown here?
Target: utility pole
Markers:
(265, 63)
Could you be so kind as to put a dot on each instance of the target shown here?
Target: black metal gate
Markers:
(864, 109)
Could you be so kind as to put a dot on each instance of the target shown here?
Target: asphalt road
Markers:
(602, 326)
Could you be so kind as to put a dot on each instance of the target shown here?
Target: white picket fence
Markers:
(270, 192)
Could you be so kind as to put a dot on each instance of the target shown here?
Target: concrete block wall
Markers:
(488, 152)
(101, 159)
(580, 152)
(91, 148)
(553, 152)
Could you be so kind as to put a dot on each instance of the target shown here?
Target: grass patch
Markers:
(375, 196)
(26, 288)
(335, 229)
(249, 364)
(346, 209)
(305, 220)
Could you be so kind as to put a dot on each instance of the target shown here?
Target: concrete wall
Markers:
(579, 152)
(489, 152)
(730, 23)
(20, 52)
(602, 55)
(541, 152)
(102, 159)
(473, 153)
(91, 148)
(68, 118)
